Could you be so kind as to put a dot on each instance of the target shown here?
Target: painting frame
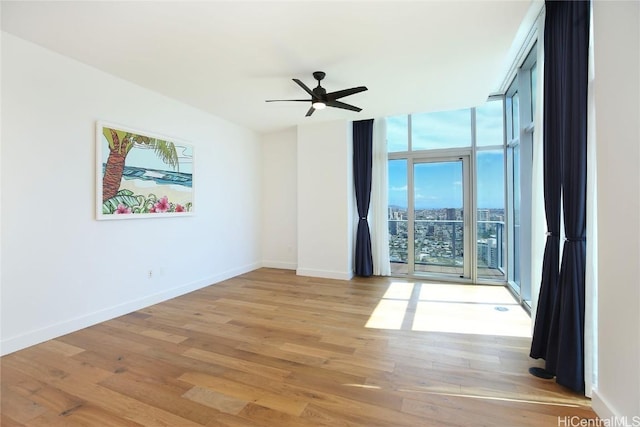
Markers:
(144, 178)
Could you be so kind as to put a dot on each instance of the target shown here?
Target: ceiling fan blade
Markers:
(304, 86)
(338, 104)
(310, 112)
(345, 92)
(292, 100)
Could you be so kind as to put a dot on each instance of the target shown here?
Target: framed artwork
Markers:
(142, 175)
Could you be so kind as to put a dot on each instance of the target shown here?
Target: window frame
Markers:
(415, 156)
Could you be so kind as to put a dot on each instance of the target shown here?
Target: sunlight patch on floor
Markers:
(461, 318)
(399, 290)
(389, 314)
(465, 293)
(464, 309)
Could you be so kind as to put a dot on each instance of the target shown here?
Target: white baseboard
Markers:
(325, 274)
(600, 406)
(38, 336)
(609, 415)
(235, 272)
(280, 265)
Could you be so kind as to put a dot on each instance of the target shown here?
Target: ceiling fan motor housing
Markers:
(318, 75)
(320, 92)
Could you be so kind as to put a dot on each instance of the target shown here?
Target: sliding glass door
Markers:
(428, 217)
(439, 223)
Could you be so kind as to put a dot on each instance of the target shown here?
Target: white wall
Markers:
(325, 200)
(63, 270)
(279, 192)
(617, 91)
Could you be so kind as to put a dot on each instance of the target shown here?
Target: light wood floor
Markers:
(269, 348)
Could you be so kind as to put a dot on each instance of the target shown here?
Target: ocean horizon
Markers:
(160, 177)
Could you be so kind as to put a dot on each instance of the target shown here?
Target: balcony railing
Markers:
(439, 246)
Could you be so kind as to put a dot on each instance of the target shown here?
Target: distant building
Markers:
(393, 228)
(451, 214)
(488, 252)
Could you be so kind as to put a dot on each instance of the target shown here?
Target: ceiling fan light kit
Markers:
(321, 99)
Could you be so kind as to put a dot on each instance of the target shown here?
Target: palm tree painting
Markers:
(140, 175)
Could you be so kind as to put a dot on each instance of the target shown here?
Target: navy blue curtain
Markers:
(362, 162)
(567, 55)
(552, 164)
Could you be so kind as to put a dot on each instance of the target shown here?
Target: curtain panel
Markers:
(559, 328)
(552, 175)
(380, 200)
(362, 164)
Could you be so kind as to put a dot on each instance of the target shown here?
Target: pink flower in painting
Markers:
(179, 208)
(162, 205)
(152, 209)
(122, 209)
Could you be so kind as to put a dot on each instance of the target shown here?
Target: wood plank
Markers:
(165, 394)
(235, 363)
(216, 400)
(83, 415)
(247, 393)
(18, 408)
(61, 348)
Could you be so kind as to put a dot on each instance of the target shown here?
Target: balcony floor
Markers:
(402, 269)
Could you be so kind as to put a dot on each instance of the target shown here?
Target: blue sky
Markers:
(141, 156)
(439, 185)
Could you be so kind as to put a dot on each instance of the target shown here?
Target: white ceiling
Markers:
(228, 57)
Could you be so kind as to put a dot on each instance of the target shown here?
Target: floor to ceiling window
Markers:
(491, 234)
(447, 194)
(520, 108)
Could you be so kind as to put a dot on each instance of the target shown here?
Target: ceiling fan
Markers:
(321, 99)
